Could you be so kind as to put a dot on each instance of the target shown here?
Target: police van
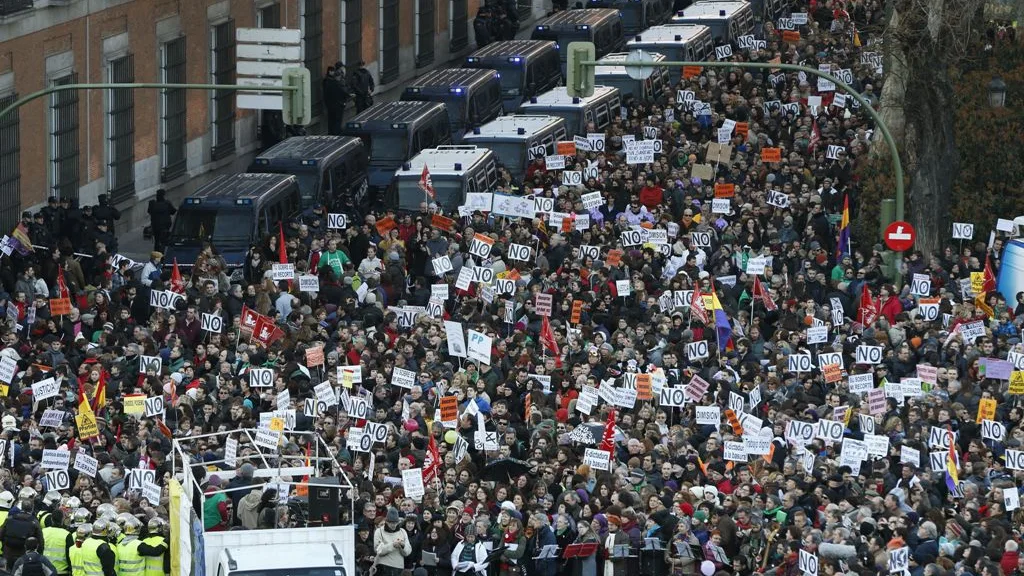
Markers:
(394, 132)
(577, 112)
(611, 71)
(518, 139)
(330, 169)
(232, 212)
(602, 26)
(472, 97)
(527, 68)
(678, 42)
(638, 15)
(454, 172)
(728, 19)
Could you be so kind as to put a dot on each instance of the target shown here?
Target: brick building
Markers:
(126, 144)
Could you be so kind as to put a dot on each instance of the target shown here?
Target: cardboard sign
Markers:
(832, 372)
(577, 310)
(566, 148)
(449, 409)
(643, 387)
(771, 154)
(543, 304)
(986, 409)
(692, 71)
(442, 223)
(87, 427)
(315, 356)
(725, 190)
(60, 306)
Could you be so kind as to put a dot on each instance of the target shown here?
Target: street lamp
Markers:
(997, 92)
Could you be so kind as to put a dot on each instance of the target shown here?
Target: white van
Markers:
(517, 139)
(678, 42)
(728, 19)
(454, 171)
(611, 71)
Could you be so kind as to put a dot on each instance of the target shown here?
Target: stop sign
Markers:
(899, 236)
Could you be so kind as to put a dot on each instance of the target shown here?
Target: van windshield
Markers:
(448, 193)
(572, 118)
(631, 14)
(218, 225)
(511, 80)
(388, 146)
(511, 155)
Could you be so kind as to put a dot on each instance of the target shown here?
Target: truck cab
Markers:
(454, 172)
(527, 68)
(602, 26)
(727, 19)
(331, 170)
(471, 96)
(518, 139)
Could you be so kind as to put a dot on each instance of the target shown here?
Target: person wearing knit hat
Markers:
(615, 563)
(469, 557)
(392, 545)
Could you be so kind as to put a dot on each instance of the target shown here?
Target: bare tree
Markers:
(923, 41)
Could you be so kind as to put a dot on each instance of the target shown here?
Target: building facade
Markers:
(128, 143)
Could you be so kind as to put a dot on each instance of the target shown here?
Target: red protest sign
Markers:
(791, 36)
(60, 306)
(449, 409)
(725, 190)
(442, 223)
(385, 224)
(771, 154)
(691, 71)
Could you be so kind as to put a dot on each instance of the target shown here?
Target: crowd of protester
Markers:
(677, 498)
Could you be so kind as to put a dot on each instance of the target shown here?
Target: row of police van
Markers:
(506, 104)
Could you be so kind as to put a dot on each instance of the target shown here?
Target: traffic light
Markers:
(579, 79)
(296, 107)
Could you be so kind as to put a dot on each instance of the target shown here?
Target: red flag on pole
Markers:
(282, 252)
(989, 285)
(547, 337)
(762, 293)
(177, 284)
(697, 306)
(608, 438)
(426, 184)
(815, 137)
(431, 462)
(62, 286)
(867, 312)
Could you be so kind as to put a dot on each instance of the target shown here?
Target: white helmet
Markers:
(6, 499)
(27, 494)
(51, 497)
(106, 511)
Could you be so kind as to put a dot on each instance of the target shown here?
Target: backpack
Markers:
(31, 565)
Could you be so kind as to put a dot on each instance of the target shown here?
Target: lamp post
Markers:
(997, 92)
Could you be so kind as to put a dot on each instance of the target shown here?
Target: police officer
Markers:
(52, 215)
(6, 501)
(95, 556)
(160, 213)
(75, 553)
(50, 503)
(57, 541)
(129, 561)
(103, 234)
(155, 550)
(105, 211)
(362, 85)
(20, 526)
(32, 563)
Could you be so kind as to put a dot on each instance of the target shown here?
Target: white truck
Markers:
(326, 551)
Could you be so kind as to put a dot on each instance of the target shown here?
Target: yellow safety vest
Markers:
(154, 564)
(55, 541)
(129, 562)
(3, 520)
(89, 558)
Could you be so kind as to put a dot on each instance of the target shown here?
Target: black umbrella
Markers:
(505, 469)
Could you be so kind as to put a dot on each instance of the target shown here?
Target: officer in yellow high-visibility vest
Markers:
(129, 561)
(97, 558)
(6, 501)
(57, 541)
(75, 553)
(155, 550)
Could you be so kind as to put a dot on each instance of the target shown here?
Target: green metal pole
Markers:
(897, 166)
(135, 86)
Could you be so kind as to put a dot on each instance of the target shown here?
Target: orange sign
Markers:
(577, 309)
(737, 428)
(986, 409)
(442, 223)
(691, 71)
(832, 373)
(385, 224)
(567, 225)
(790, 36)
(725, 190)
(742, 128)
(567, 148)
(643, 387)
(771, 154)
(614, 257)
(60, 306)
(449, 409)
(315, 356)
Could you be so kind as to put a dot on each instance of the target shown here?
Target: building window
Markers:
(10, 166)
(312, 50)
(172, 110)
(269, 16)
(121, 131)
(459, 25)
(388, 40)
(424, 32)
(351, 32)
(64, 139)
(223, 105)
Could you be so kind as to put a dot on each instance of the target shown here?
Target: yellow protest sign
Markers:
(346, 379)
(1017, 382)
(135, 405)
(4, 390)
(276, 424)
(977, 282)
(986, 409)
(87, 427)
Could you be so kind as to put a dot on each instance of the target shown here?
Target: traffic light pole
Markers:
(137, 86)
(897, 166)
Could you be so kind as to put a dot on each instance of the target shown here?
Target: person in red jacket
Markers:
(651, 195)
(890, 303)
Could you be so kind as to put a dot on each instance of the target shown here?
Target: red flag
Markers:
(815, 137)
(608, 438)
(249, 317)
(527, 407)
(426, 184)
(547, 337)
(177, 284)
(867, 313)
(762, 293)
(163, 428)
(266, 331)
(431, 462)
(697, 306)
(99, 397)
(62, 286)
(282, 251)
(989, 285)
